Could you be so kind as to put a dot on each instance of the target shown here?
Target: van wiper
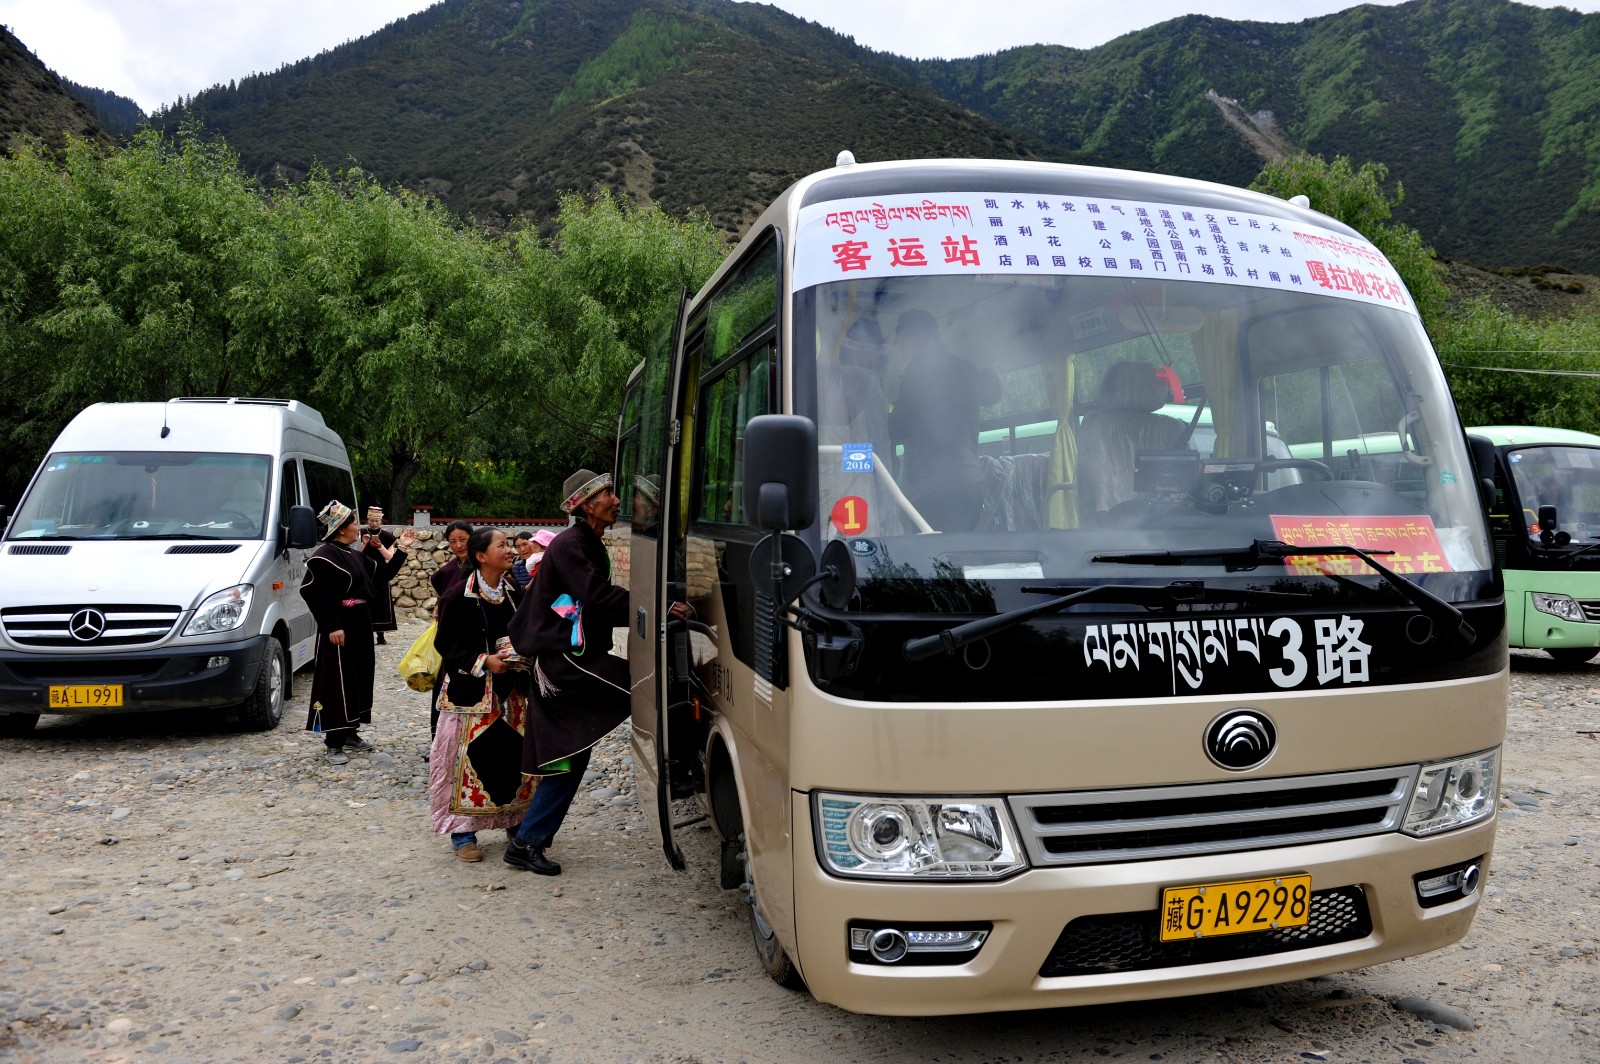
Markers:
(1179, 592)
(1241, 559)
(173, 535)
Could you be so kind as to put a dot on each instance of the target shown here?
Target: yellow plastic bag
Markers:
(420, 664)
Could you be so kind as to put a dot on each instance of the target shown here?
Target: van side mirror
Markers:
(302, 528)
(780, 472)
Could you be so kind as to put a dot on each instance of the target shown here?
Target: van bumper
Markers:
(1028, 913)
(174, 677)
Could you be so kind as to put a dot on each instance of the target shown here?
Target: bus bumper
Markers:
(1118, 959)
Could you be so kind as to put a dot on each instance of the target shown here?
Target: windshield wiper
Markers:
(1238, 559)
(1178, 592)
(174, 535)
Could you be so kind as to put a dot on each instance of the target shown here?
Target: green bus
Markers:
(1545, 525)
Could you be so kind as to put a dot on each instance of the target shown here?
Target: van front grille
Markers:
(1130, 942)
(1092, 827)
(39, 548)
(70, 627)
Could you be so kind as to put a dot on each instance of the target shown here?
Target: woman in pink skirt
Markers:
(475, 765)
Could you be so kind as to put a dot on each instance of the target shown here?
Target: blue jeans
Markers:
(551, 800)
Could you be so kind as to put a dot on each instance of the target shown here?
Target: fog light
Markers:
(939, 944)
(217, 661)
(1441, 885)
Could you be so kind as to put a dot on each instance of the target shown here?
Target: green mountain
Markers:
(1487, 111)
(117, 115)
(35, 103)
(496, 107)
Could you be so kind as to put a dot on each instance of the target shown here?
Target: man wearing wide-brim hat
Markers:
(580, 688)
(339, 589)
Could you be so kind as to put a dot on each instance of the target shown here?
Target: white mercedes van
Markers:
(155, 560)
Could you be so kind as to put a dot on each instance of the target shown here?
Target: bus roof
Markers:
(1526, 435)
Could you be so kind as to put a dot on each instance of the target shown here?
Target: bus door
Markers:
(644, 460)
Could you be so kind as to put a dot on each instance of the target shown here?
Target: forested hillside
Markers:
(496, 107)
(1486, 111)
(35, 103)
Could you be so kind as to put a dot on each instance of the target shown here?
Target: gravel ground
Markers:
(176, 891)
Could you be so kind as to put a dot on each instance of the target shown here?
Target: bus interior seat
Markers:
(1124, 423)
(1014, 497)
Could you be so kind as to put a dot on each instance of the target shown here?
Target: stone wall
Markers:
(413, 595)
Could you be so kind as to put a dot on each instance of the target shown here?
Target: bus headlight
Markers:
(1453, 794)
(924, 838)
(1564, 606)
(221, 612)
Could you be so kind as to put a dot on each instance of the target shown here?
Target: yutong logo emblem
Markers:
(86, 625)
(1240, 739)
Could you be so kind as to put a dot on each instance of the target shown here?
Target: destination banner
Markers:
(996, 233)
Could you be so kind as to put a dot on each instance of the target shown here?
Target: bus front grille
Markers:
(1591, 609)
(1096, 827)
(1130, 942)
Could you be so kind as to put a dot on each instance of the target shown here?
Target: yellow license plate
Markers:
(85, 695)
(1234, 908)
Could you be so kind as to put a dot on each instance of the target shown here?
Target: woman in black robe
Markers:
(452, 572)
(338, 587)
(376, 542)
(580, 688)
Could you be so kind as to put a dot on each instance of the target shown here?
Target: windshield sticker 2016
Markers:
(1184, 649)
(856, 457)
(1006, 233)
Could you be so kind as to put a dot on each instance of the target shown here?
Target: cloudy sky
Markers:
(156, 51)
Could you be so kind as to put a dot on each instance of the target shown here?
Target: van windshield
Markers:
(146, 495)
(1013, 427)
(1567, 478)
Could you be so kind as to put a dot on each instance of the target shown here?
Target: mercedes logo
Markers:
(1240, 739)
(87, 625)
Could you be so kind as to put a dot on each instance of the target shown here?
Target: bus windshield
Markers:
(1567, 478)
(1015, 427)
(146, 495)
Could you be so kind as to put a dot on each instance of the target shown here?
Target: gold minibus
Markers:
(1047, 648)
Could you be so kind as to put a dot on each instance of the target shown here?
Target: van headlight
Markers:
(923, 838)
(1564, 606)
(1453, 794)
(221, 612)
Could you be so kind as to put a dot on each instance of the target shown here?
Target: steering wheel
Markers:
(1271, 465)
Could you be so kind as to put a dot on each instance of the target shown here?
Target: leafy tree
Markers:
(1358, 199)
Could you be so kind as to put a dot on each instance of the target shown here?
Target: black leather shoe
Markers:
(519, 855)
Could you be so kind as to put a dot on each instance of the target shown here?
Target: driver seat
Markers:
(1124, 424)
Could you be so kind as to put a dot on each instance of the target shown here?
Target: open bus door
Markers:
(659, 677)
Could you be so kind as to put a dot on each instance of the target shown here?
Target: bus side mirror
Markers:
(1482, 451)
(302, 528)
(780, 472)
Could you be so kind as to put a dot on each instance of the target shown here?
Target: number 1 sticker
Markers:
(850, 515)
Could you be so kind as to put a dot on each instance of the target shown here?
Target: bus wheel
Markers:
(773, 959)
(1572, 655)
(16, 725)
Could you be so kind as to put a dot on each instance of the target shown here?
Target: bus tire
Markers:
(16, 725)
(774, 961)
(1572, 655)
(264, 708)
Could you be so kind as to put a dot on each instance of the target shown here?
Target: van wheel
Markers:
(1572, 655)
(264, 708)
(16, 725)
